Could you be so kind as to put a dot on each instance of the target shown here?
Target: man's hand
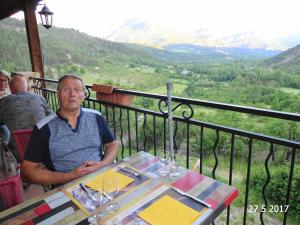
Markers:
(34, 173)
(86, 168)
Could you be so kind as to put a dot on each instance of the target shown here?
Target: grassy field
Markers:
(177, 89)
(290, 90)
(138, 78)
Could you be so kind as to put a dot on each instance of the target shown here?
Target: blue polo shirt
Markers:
(61, 148)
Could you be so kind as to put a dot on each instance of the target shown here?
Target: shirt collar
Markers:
(66, 120)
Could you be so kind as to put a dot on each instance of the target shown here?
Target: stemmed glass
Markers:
(164, 161)
(110, 188)
(174, 165)
(93, 203)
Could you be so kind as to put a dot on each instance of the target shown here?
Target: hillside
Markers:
(61, 46)
(287, 58)
(69, 46)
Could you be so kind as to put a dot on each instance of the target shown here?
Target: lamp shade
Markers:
(46, 17)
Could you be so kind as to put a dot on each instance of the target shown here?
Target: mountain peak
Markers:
(138, 31)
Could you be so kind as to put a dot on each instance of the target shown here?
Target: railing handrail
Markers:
(211, 104)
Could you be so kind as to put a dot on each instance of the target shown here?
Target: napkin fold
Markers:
(167, 210)
(96, 182)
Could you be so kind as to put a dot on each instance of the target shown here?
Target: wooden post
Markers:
(33, 37)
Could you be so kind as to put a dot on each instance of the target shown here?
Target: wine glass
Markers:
(174, 165)
(93, 201)
(164, 170)
(110, 188)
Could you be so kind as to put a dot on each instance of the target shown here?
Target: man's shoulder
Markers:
(46, 120)
(34, 95)
(91, 111)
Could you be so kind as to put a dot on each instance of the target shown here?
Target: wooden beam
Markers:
(33, 37)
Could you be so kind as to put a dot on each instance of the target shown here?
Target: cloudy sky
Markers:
(267, 18)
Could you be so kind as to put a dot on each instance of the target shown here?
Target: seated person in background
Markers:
(21, 110)
(69, 143)
(4, 79)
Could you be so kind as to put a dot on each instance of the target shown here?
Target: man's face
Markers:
(3, 83)
(70, 94)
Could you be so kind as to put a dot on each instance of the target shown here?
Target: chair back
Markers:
(21, 138)
(4, 135)
(11, 192)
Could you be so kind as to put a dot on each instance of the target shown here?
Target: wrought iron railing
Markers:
(145, 128)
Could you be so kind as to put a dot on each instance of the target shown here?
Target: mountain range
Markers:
(65, 45)
(289, 57)
(138, 31)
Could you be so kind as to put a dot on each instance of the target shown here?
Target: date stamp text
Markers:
(269, 208)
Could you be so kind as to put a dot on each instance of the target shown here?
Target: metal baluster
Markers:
(88, 103)
(154, 134)
(187, 144)
(128, 127)
(100, 107)
(56, 101)
(136, 131)
(165, 136)
(215, 155)
(94, 105)
(114, 120)
(230, 173)
(144, 130)
(247, 181)
(121, 133)
(267, 182)
(52, 102)
(289, 184)
(106, 113)
(201, 148)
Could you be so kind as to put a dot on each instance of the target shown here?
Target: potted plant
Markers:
(106, 93)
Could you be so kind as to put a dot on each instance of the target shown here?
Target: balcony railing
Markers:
(219, 147)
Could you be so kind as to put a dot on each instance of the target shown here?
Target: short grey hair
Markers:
(5, 74)
(73, 76)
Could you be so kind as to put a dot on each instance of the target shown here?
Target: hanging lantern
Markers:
(46, 17)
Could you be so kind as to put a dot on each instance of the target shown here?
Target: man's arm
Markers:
(34, 173)
(110, 153)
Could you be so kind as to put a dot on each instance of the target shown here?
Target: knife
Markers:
(88, 193)
(191, 196)
(130, 171)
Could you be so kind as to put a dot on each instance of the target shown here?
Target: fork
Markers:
(130, 171)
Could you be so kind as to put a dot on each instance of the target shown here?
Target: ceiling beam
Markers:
(33, 38)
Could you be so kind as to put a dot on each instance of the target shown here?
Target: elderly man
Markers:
(69, 142)
(4, 79)
(22, 110)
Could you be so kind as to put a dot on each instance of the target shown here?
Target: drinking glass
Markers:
(164, 161)
(93, 204)
(174, 165)
(110, 188)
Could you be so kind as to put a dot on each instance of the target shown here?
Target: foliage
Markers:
(276, 189)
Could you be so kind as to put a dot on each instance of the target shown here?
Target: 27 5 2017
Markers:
(269, 208)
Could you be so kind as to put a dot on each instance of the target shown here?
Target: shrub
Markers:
(277, 188)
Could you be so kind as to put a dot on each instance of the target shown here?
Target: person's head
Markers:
(18, 84)
(70, 91)
(4, 79)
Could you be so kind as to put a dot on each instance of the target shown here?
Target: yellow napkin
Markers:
(169, 211)
(122, 180)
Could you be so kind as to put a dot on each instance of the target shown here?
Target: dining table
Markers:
(143, 197)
